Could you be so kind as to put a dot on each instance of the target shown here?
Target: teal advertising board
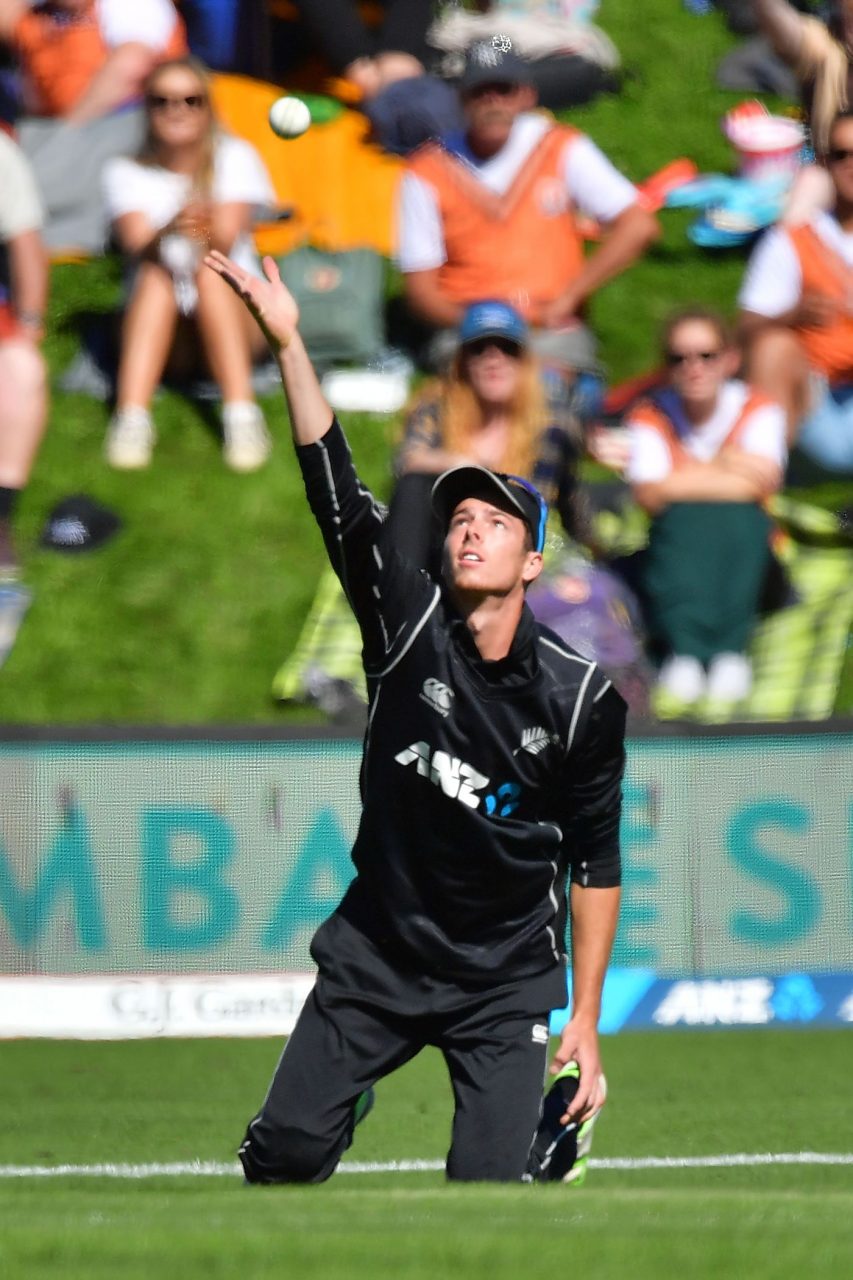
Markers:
(223, 857)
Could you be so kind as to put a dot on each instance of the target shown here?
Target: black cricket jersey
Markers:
(485, 785)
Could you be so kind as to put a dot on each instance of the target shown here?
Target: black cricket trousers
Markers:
(343, 1044)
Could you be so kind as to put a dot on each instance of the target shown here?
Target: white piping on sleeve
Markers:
(578, 704)
(415, 632)
(570, 657)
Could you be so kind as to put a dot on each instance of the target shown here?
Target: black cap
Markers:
(522, 498)
(79, 523)
(491, 62)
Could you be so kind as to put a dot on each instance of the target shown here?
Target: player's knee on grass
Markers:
(286, 1156)
(481, 1164)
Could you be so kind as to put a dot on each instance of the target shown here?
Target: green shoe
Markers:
(363, 1106)
(560, 1153)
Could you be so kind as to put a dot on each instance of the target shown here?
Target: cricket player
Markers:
(491, 775)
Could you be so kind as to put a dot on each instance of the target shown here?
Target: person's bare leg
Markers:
(23, 415)
(227, 343)
(223, 337)
(147, 335)
(777, 366)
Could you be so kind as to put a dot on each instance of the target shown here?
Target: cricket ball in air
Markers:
(289, 117)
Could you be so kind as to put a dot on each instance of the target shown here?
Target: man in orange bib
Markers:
(493, 212)
(81, 59)
(797, 315)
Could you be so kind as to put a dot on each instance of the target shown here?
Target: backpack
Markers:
(341, 300)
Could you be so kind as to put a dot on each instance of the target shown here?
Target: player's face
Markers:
(487, 550)
(492, 366)
(177, 107)
(840, 160)
(698, 361)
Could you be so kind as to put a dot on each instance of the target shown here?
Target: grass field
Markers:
(187, 614)
(677, 1094)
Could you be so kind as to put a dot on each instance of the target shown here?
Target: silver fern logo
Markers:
(535, 740)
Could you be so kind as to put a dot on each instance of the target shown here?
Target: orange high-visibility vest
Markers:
(830, 348)
(647, 414)
(62, 52)
(522, 246)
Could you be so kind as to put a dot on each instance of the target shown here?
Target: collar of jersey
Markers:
(507, 675)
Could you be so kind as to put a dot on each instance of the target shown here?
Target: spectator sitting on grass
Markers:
(23, 382)
(190, 188)
(705, 453)
(81, 59)
(488, 409)
(797, 317)
(491, 212)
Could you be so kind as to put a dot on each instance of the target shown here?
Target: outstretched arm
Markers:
(782, 26)
(385, 592)
(275, 310)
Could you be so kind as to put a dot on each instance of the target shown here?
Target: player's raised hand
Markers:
(270, 301)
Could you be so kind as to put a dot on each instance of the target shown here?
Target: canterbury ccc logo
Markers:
(437, 695)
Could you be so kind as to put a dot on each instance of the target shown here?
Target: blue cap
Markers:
(492, 319)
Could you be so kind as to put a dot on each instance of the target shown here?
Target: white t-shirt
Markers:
(763, 434)
(773, 281)
(150, 22)
(239, 177)
(20, 205)
(595, 187)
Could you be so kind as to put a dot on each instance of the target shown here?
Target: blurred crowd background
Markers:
(489, 269)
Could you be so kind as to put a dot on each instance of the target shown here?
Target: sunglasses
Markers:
(675, 359)
(194, 101)
(501, 88)
(505, 345)
(837, 155)
(539, 534)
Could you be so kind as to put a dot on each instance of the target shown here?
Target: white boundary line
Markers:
(214, 1169)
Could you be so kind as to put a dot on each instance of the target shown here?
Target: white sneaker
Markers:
(682, 678)
(246, 444)
(729, 677)
(130, 439)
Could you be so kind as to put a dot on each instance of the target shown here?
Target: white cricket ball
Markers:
(289, 117)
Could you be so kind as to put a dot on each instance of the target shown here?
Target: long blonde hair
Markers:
(150, 154)
(460, 416)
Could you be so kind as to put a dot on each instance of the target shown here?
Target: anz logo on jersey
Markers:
(461, 781)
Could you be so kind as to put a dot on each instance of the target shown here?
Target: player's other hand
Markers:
(579, 1041)
(269, 300)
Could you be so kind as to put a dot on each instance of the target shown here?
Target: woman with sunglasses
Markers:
(190, 188)
(706, 451)
(489, 409)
